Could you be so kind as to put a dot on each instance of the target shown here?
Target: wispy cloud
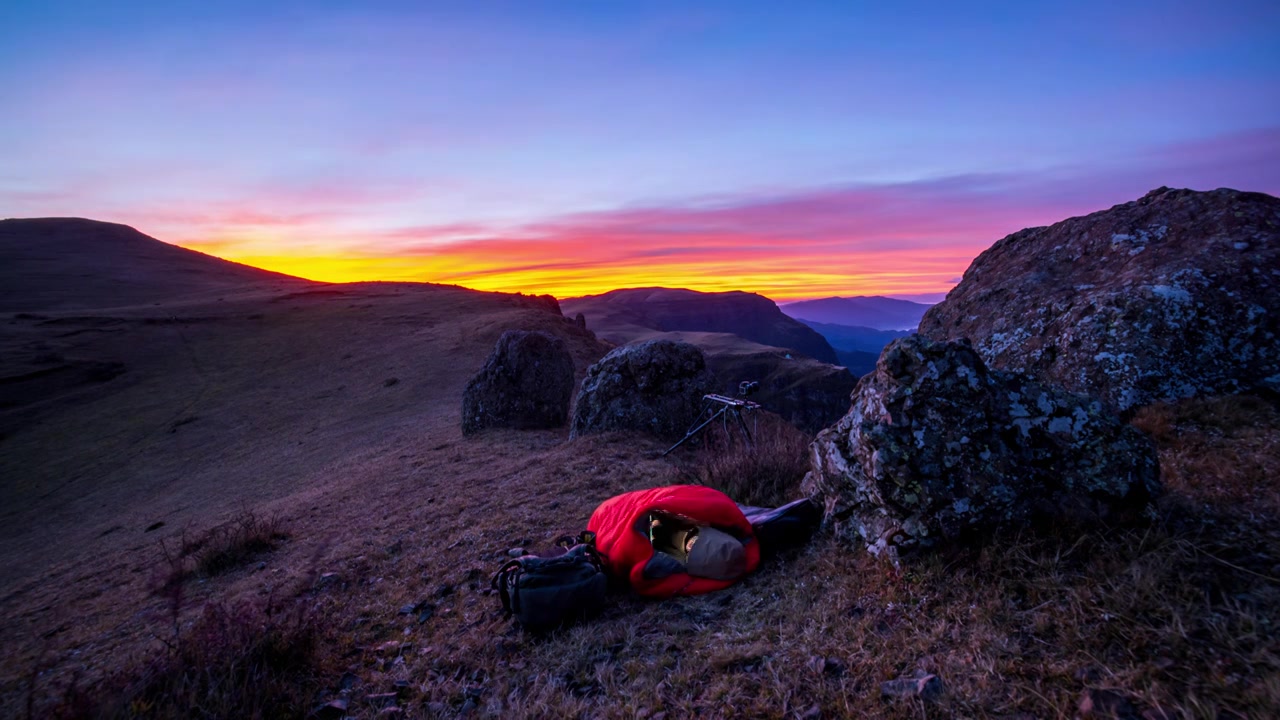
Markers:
(914, 237)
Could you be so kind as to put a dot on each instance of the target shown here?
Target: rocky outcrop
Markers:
(937, 446)
(654, 387)
(619, 314)
(1173, 295)
(526, 383)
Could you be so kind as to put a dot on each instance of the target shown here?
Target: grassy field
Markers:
(1173, 620)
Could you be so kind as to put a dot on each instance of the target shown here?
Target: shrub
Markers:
(241, 660)
(765, 473)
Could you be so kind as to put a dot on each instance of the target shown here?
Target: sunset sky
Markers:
(795, 149)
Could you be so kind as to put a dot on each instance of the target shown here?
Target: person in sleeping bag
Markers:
(677, 540)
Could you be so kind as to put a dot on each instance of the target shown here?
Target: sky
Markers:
(799, 149)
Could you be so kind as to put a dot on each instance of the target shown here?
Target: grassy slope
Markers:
(392, 507)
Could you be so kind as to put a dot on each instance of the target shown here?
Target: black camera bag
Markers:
(543, 593)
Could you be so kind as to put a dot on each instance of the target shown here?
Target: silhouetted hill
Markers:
(747, 315)
(71, 263)
(861, 339)
(880, 313)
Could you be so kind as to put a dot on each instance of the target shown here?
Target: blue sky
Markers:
(320, 129)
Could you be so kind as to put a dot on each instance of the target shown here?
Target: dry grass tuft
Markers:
(243, 660)
(1218, 450)
(224, 547)
(766, 473)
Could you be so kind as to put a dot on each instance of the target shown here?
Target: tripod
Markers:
(719, 407)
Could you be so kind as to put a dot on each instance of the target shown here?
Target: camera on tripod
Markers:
(747, 388)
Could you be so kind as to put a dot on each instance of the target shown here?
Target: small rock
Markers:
(1099, 703)
(348, 681)
(407, 609)
(425, 611)
(923, 685)
(332, 710)
(516, 552)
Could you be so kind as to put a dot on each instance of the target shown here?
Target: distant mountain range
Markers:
(879, 313)
(856, 339)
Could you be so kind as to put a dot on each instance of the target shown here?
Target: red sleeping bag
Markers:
(621, 526)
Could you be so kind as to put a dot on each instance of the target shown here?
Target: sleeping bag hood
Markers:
(677, 540)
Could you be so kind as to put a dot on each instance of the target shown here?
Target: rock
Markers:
(1108, 704)
(580, 320)
(937, 446)
(516, 552)
(654, 387)
(920, 684)
(332, 710)
(526, 384)
(1173, 295)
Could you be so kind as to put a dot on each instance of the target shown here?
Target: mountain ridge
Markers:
(872, 311)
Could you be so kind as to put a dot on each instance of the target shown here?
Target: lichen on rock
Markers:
(654, 387)
(937, 447)
(1169, 296)
(526, 383)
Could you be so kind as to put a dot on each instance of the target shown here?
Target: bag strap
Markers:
(504, 580)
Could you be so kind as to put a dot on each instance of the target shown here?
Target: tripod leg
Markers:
(743, 424)
(695, 431)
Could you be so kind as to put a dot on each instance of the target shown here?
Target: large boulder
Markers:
(654, 386)
(526, 383)
(937, 447)
(1173, 295)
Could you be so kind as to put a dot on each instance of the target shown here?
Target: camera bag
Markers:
(545, 592)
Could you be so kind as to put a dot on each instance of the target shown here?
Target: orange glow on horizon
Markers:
(782, 278)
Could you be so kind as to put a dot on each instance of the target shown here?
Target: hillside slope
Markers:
(70, 263)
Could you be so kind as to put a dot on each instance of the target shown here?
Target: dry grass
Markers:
(764, 473)
(394, 509)
(1177, 619)
(222, 548)
(249, 659)
(1218, 450)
